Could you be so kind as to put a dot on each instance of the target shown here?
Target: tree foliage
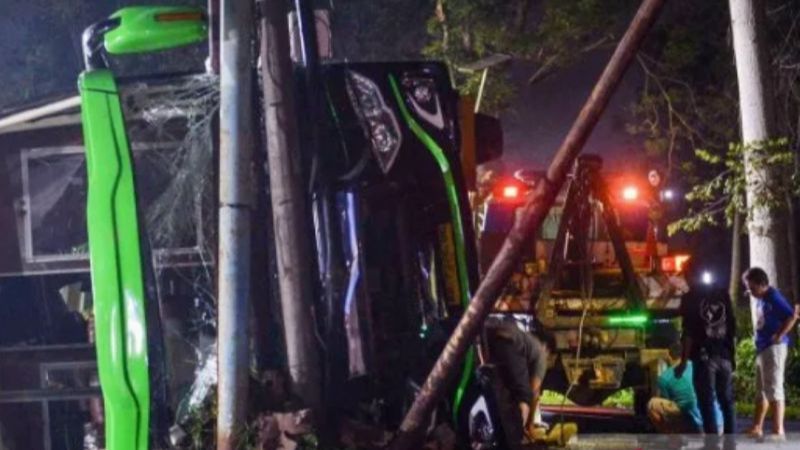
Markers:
(550, 35)
(687, 113)
(716, 173)
(718, 200)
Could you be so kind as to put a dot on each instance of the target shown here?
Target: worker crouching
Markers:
(521, 361)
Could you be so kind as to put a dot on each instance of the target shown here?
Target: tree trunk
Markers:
(288, 205)
(791, 238)
(743, 316)
(735, 285)
(766, 227)
(523, 8)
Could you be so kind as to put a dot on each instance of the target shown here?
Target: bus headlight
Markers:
(379, 122)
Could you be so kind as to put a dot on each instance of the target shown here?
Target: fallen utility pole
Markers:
(526, 224)
(235, 205)
(288, 204)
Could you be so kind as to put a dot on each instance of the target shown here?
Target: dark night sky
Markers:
(542, 114)
(534, 126)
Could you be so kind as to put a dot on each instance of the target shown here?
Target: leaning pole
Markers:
(526, 224)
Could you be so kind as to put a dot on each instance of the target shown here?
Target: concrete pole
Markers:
(235, 197)
(289, 213)
(526, 224)
(766, 227)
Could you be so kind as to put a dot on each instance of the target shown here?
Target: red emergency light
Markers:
(674, 263)
(511, 192)
(630, 193)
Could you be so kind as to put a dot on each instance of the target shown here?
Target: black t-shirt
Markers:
(709, 320)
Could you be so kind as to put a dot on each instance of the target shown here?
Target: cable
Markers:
(587, 294)
(572, 384)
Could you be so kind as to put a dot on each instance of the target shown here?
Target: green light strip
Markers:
(450, 185)
(458, 228)
(631, 320)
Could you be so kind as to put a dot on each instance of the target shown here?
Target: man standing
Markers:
(709, 331)
(775, 317)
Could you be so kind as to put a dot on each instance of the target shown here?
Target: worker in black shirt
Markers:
(709, 332)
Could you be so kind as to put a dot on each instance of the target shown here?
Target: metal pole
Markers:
(480, 90)
(213, 36)
(527, 223)
(288, 204)
(236, 147)
(306, 23)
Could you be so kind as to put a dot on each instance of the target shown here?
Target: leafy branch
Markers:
(721, 198)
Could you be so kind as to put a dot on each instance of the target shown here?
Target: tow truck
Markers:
(598, 277)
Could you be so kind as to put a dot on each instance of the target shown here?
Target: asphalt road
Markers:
(619, 429)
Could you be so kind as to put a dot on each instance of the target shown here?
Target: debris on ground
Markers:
(285, 431)
(559, 435)
(441, 438)
(358, 435)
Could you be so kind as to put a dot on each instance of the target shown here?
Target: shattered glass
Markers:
(176, 186)
(175, 119)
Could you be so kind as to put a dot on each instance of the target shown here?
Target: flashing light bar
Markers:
(633, 320)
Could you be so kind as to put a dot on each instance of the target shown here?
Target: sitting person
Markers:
(677, 411)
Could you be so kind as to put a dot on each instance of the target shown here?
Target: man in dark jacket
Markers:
(521, 359)
(709, 332)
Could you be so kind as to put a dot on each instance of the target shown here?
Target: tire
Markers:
(488, 418)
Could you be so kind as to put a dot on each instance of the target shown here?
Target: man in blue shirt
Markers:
(676, 410)
(775, 318)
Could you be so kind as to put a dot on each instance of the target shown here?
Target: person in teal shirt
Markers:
(676, 410)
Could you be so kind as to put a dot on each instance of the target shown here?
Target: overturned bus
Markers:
(110, 211)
